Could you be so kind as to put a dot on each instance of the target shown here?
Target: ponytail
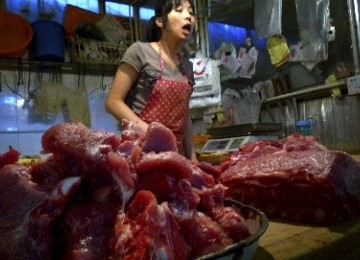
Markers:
(153, 33)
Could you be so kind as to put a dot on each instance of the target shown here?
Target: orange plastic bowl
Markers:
(15, 35)
(75, 15)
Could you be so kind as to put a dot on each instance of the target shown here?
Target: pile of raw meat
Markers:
(295, 179)
(99, 195)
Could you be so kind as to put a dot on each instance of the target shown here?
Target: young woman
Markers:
(154, 81)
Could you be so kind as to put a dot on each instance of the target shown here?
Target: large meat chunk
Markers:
(202, 234)
(295, 179)
(11, 156)
(28, 213)
(148, 231)
(76, 141)
(212, 203)
(160, 173)
(96, 155)
(85, 230)
(159, 139)
(99, 195)
(18, 197)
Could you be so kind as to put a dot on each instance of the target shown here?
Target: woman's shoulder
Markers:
(140, 50)
(138, 54)
(140, 46)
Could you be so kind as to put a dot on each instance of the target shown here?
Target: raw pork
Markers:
(28, 213)
(296, 179)
(11, 156)
(99, 195)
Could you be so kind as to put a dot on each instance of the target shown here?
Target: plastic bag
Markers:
(241, 107)
(207, 88)
(231, 63)
(248, 59)
(267, 15)
(314, 23)
(265, 88)
(278, 50)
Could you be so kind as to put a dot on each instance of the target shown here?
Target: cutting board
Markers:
(292, 241)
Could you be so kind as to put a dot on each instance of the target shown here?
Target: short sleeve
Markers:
(133, 56)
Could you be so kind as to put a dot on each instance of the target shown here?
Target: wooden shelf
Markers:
(310, 92)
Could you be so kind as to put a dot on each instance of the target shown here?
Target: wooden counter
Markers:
(291, 241)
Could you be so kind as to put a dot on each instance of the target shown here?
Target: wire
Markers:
(12, 90)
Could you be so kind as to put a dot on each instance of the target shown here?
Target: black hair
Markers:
(162, 9)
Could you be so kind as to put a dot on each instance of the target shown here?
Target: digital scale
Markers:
(226, 140)
(232, 144)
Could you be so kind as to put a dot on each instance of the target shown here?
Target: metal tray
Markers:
(243, 129)
(245, 249)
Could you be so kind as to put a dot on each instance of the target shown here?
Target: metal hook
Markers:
(81, 76)
(20, 79)
(29, 79)
(102, 86)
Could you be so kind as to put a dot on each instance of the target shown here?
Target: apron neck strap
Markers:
(179, 57)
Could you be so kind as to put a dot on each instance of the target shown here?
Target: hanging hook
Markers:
(29, 80)
(81, 75)
(103, 86)
(20, 79)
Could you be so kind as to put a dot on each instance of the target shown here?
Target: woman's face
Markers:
(181, 20)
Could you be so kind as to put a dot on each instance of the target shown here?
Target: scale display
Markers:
(226, 145)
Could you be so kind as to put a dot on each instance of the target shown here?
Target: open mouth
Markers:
(187, 28)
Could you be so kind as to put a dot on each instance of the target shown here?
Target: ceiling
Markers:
(235, 12)
(241, 13)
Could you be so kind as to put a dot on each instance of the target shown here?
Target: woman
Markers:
(155, 79)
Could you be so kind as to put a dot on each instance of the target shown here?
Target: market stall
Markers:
(274, 107)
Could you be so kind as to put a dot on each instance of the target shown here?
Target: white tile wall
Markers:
(8, 139)
(30, 144)
(22, 128)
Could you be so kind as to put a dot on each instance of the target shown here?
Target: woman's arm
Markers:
(124, 79)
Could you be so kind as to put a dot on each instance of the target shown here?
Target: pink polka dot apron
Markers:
(169, 104)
